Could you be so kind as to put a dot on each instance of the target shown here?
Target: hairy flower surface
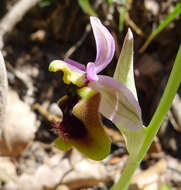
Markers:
(89, 95)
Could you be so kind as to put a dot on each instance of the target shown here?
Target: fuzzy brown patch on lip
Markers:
(70, 127)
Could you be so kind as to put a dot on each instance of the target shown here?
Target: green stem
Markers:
(151, 131)
(127, 174)
(165, 103)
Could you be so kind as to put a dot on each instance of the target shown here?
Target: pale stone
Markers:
(20, 126)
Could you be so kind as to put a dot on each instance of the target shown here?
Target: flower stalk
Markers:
(152, 129)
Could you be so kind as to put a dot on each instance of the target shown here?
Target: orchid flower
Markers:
(90, 95)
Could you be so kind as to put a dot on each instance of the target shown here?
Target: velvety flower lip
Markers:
(81, 126)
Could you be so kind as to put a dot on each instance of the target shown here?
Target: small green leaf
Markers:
(87, 8)
(124, 69)
(168, 19)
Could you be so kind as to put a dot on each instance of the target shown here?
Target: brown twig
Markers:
(50, 117)
(14, 16)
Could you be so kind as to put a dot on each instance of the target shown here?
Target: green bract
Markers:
(125, 74)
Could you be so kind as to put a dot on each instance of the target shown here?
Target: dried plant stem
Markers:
(3, 92)
(14, 16)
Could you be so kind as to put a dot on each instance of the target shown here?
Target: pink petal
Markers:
(91, 72)
(75, 64)
(118, 103)
(104, 44)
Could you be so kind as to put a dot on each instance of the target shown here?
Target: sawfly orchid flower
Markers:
(89, 95)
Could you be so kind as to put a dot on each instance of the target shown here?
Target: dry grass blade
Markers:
(3, 91)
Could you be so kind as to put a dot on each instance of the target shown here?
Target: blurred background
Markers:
(35, 32)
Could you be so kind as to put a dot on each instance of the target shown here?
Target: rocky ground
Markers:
(28, 157)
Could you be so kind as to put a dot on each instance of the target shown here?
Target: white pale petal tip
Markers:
(93, 18)
(129, 35)
(1, 58)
